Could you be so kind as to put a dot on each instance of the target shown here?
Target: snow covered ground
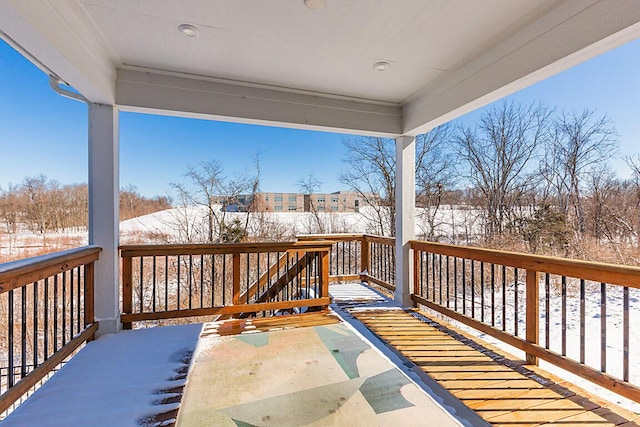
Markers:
(171, 222)
(182, 223)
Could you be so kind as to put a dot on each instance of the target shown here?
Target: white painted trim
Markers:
(59, 35)
(572, 33)
(405, 217)
(200, 97)
(104, 197)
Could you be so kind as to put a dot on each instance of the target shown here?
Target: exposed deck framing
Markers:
(502, 391)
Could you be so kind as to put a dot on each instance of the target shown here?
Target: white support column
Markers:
(104, 206)
(405, 216)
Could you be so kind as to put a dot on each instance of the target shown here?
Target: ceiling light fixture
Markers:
(381, 66)
(314, 4)
(189, 30)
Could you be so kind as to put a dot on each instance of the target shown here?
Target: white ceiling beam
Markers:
(53, 35)
(572, 33)
(200, 97)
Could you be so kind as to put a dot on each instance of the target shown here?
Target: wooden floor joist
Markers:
(487, 380)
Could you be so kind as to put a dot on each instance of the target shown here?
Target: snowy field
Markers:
(172, 222)
(184, 224)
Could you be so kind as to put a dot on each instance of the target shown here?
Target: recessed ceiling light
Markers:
(189, 30)
(314, 4)
(381, 66)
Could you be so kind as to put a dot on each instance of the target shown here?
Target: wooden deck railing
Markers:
(48, 301)
(174, 281)
(360, 257)
(530, 302)
(382, 261)
(517, 298)
(551, 308)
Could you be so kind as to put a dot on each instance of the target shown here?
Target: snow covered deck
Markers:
(117, 380)
(370, 363)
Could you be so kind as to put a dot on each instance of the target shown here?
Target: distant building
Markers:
(340, 201)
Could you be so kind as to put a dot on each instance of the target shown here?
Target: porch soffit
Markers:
(281, 63)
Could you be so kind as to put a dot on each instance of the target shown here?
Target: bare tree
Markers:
(497, 154)
(10, 211)
(603, 189)
(435, 172)
(579, 145)
(371, 172)
(211, 190)
(35, 190)
(633, 223)
(308, 186)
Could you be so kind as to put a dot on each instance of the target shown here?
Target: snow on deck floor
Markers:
(113, 381)
(354, 292)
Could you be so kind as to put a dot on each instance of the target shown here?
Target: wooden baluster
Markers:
(416, 273)
(236, 278)
(532, 311)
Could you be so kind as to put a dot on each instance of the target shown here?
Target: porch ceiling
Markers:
(279, 62)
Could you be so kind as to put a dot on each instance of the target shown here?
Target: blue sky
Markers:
(43, 133)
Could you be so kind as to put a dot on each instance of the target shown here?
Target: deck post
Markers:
(405, 217)
(89, 317)
(364, 258)
(532, 312)
(104, 200)
(323, 258)
(127, 288)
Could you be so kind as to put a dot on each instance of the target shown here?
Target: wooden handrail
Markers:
(383, 240)
(588, 270)
(223, 248)
(344, 237)
(338, 237)
(22, 272)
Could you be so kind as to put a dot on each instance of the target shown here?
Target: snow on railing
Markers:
(573, 314)
(48, 301)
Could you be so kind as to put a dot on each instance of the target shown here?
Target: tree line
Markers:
(43, 205)
(521, 177)
(534, 178)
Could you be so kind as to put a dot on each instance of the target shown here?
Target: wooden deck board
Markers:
(238, 326)
(504, 394)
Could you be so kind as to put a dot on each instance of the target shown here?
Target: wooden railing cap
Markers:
(222, 248)
(11, 272)
(595, 271)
